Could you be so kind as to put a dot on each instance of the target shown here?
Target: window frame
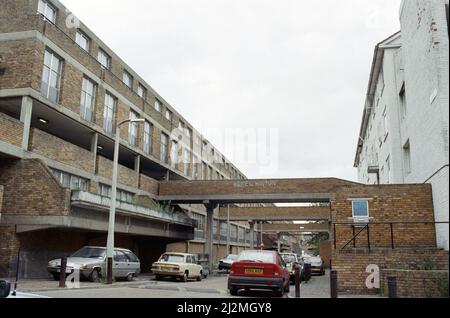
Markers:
(47, 4)
(164, 148)
(84, 36)
(127, 79)
(51, 71)
(363, 219)
(86, 95)
(142, 91)
(133, 129)
(104, 54)
(114, 111)
(148, 135)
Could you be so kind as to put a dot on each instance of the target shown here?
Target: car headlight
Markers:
(83, 267)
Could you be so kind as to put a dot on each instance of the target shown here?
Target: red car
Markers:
(259, 270)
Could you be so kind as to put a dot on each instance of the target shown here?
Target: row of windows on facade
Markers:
(51, 78)
(77, 183)
(237, 234)
(49, 12)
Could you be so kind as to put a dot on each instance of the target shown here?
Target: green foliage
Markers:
(316, 240)
(428, 264)
(165, 208)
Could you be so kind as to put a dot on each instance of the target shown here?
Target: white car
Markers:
(225, 264)
(178, 265)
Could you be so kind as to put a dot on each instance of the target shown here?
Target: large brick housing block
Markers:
(11, 130)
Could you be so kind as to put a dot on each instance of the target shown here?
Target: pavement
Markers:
(146, 287)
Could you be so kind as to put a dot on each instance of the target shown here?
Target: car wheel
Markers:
(157, 277)
(233, 291)
(56, 277)
(184, 278)
(130, 277)
(200, 277)
(95, 275)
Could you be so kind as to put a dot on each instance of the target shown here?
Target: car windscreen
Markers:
(90, 252)
(232, 257)
(171, 258)
(256, 257)
(288, 258)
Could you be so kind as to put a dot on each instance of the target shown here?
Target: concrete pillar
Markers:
(210, 234)
(252, 234)
(137, 169)
(26, 112)
(279, 242)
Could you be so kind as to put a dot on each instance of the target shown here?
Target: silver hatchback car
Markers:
(91, 262)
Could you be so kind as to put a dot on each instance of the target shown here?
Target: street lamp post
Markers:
(112, 210)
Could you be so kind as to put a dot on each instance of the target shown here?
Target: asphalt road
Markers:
(146, 287)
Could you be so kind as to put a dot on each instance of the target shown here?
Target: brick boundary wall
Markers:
(351, 266)
(417, 283)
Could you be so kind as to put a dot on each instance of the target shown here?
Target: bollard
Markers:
(62, 274)
(298, 281)
(109, 271)
(307, 272)
(334, 284)
(392, 286)
(5, 289)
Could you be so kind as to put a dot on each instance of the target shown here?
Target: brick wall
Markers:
(325, 253)
(30, 189)
(9, 246)
(126, 175)
(324, 185)
(417, 283)
(11, 130)
(148, 184)
(1, 198)
(57, 149)
(387, 203)
(351, 265)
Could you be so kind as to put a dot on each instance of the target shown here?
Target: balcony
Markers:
(97, 202)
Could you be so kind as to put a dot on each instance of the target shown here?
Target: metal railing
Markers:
(366, 226)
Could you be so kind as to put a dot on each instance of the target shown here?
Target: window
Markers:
(181, 126)
(402, 97)
(133, 129)
(199, 232)
(158, 105)
(407, 158)
(47, 10)
(71, 181)
(148, 133)
(51, 76)
(121, 195)
(385, 124)
(234, 233)
(216, 230)
(142, 91)
(194, 168)
(109, 113)
(83, 40)
(210, 172)
(189, 132)
(87, 99)
(241, 234)
(127, 79)
(164, 147)
(388, 167)
(204, 176)
(105, 191)
(186, 161)
(223, 231)
(168, 115)
(198, 140)
(104, 59)
(174, 154)
(360, 210)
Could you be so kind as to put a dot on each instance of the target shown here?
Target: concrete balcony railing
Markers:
(95, 201)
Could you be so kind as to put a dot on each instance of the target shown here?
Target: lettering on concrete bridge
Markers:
(255, 184)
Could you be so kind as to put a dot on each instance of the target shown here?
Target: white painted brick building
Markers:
(404, 135)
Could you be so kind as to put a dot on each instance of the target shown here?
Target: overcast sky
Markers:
(301, 67)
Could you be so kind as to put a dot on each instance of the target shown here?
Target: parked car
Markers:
(292, 260)
(259, 269)
(225, 264)
(178, 265)
(91, 262)
(317, 266)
